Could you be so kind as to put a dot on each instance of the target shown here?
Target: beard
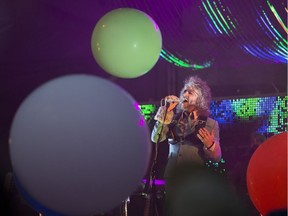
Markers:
(189, 106)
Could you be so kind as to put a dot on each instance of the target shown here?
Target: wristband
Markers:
(210, 145)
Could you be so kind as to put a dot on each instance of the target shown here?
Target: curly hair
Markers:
(204, 98)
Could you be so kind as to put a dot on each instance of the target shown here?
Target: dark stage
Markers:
(239, 48)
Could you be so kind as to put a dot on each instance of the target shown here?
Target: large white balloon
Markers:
(79, 145)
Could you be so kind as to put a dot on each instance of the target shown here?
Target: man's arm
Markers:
(163, 119)
(156, 132)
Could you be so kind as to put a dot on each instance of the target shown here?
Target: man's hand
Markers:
(206, 137)
(174, 100)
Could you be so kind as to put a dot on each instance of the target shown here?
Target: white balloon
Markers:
(79, 145)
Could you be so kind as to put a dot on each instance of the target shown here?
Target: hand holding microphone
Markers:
(163, 114)
(171, 101)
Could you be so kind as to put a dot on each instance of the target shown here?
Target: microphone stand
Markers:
(150, 207)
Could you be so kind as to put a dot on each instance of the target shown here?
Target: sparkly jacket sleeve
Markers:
(163, 119)
(156, 132)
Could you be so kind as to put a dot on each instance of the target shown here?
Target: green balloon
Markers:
(126, 43)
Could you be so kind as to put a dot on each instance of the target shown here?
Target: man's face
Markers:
(189, 99)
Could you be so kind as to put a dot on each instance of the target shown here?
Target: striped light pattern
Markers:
(197, 33)
(225, 21)
(219, 18)
(277, 16)
(182, 63)
(277, 51)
